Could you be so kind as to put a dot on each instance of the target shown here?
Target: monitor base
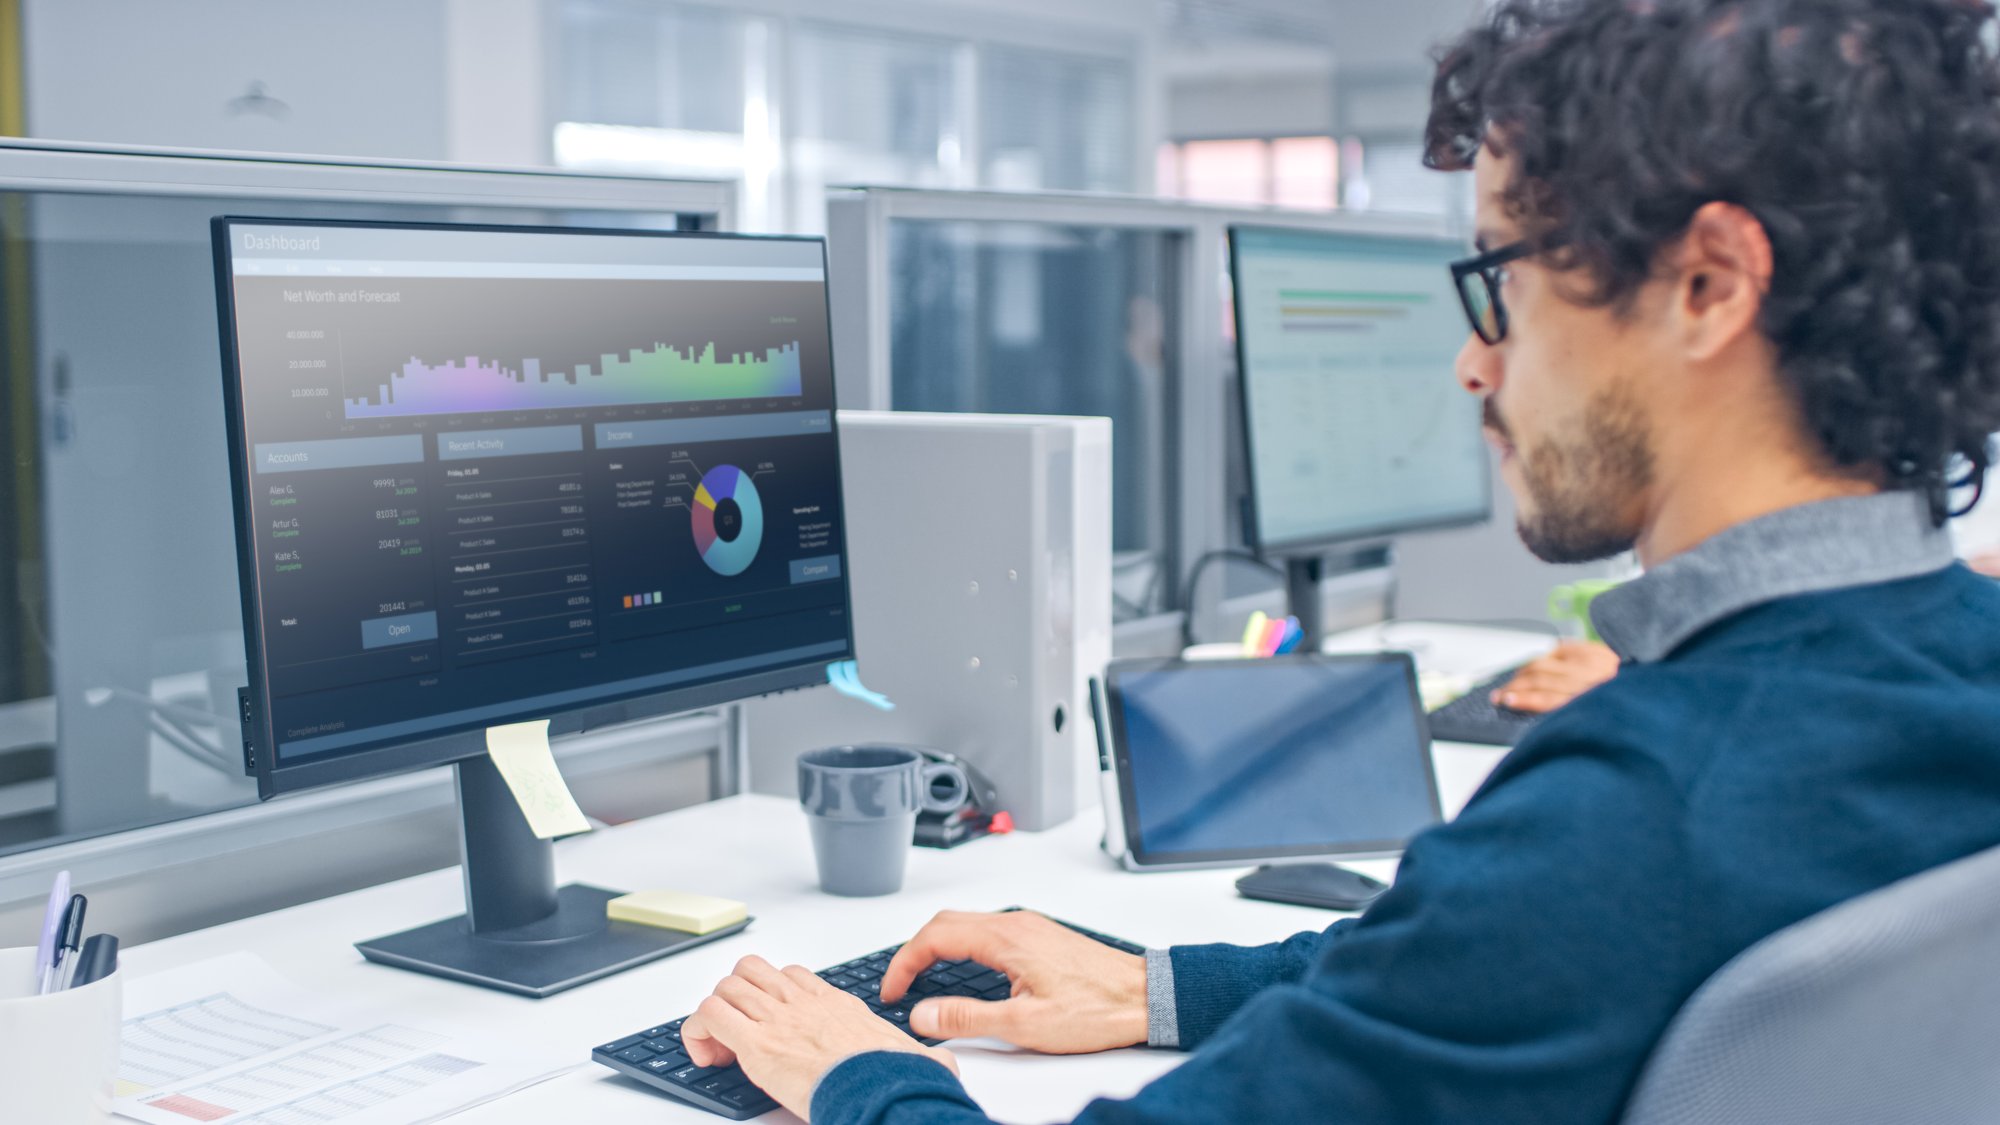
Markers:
(575, 945)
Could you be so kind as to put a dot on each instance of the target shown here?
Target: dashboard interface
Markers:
(497, 473)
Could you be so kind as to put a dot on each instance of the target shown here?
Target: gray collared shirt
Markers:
(1828, 545)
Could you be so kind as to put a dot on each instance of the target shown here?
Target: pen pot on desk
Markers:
(58, 1052)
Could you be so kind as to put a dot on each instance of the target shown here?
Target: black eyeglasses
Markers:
(1478, 281)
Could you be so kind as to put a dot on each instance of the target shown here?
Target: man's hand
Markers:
(788, 1028)
(1546, 684)
(1071, 994)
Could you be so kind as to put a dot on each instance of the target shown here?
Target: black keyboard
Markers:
(654, 1056)
(1474, 717)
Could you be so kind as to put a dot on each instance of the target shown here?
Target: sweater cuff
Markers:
(861, 1088)
(1163, 1022)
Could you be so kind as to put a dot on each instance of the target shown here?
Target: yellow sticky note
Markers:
(521, 751)
(677, 910)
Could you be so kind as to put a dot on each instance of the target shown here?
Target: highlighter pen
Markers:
(1253, 633)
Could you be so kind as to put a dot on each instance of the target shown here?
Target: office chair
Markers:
(1883, 1008)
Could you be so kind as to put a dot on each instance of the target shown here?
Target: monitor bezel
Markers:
(465, 740)
(1142, 856)
(1253, 515)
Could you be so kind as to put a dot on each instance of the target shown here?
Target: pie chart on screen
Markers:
(728, 520)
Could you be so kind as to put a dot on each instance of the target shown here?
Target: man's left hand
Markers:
(788, 1028)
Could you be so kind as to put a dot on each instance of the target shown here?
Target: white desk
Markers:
(756, 849)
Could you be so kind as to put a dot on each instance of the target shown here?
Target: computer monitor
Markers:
(1355, 429)
(486, 475)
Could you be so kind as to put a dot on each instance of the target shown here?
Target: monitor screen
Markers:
(490, 474)
(1357, 428)
(1262, 759)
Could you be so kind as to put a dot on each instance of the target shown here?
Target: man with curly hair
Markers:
(1736, 305)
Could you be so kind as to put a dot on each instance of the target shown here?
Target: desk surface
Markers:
(756, 849)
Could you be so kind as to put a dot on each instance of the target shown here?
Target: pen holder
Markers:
(59, 1052)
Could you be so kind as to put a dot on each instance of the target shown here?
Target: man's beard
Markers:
(1581, 488)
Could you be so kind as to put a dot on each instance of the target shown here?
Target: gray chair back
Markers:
(1885, 1008)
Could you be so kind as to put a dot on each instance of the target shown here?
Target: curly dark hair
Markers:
(1863, 134)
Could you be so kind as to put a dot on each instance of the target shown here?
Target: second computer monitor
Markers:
(1356, 428)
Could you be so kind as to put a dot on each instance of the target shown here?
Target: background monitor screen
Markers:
(1260, 759)
(494, 474)
(1357, 427)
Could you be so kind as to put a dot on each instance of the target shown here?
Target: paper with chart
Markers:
(230, 1041)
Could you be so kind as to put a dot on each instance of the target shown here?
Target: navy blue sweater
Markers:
(1532, 951)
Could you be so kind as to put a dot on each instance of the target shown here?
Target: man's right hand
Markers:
(1071, 994)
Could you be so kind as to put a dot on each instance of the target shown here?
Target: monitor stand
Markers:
(1302, 597)
(1305, 572)
(520, 932)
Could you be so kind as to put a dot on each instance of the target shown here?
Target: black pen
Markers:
(98, 960)
(69, 940)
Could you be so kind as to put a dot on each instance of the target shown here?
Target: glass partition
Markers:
(1080, 303)
(120, 630)
(1018, 318)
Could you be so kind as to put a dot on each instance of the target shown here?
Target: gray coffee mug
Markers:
(861, 804)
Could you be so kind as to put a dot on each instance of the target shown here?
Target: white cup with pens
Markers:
(60, 1015)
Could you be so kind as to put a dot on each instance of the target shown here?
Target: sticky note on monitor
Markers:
(677, 910)
(521, 752)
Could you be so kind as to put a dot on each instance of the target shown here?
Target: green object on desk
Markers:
(1569, 603)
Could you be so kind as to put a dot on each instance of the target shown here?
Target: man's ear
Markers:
(1724, 265)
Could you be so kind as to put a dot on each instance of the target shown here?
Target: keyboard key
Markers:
(986, 980)
(898, 1016)
(663, 1029)
(744, 1098)
(998, 992)
(636, 1055)
(727, 1080)
(691, 1074)
(666, 1064)
(662, 1046)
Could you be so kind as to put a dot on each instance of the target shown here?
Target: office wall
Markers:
(1251, 104)
(354, 78)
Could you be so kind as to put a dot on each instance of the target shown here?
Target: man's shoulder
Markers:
(1952, 607)
(1863, 664)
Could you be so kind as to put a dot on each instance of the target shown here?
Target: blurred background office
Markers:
(1049, 186)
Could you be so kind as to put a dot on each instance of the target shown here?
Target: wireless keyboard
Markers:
(1474, 717)
(654, 1056)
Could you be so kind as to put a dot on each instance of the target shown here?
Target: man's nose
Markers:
(1478, 366)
